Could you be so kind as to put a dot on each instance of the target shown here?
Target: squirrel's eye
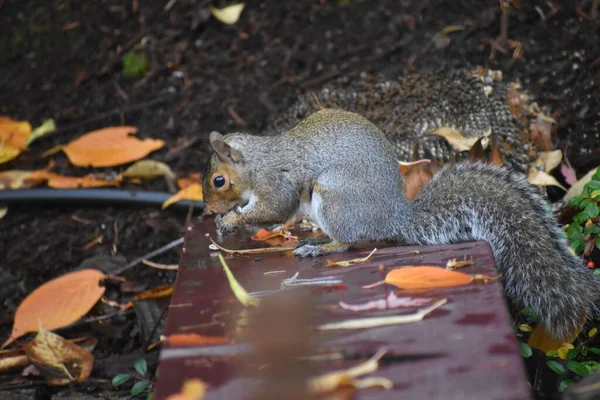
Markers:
(219, 181)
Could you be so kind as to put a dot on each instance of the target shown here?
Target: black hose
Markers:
(91, 197)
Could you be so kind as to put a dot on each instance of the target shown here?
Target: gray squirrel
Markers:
(339, 169)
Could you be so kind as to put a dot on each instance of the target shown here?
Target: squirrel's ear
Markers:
(224, 150)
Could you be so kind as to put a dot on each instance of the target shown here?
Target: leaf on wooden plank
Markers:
(58, 303)
(228, 15)
(109, 147)
(392, 301)
(426, 277)
(542, 179)
(416, 175)
(332, 381)
(48, 126)
(347, 263)
(264, 234)
(193, 339)
(577, 187)
(362, 323)
(59, 361)
(192, 389)
(215, 246)
(548, 160)
(192, 192)
(149, 169)
(168, 267)
(13, 138)
(238, 290)
(456, 139)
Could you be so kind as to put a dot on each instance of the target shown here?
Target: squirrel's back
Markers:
(476, 201)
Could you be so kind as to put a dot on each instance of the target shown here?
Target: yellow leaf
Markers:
(59, 361)
(238, 290)
(14, 132)
(192, 192)
(541, 340)
(592, 332)
(455, 138)
(193, 389)
(563, 353)
(109, 147)
(541, 178)
(58, 303)
(548, 160)
(48, 126)
(525, 328)
(228, 15)
(577, 187)
(347, 263)
(3, 212)
(148, 169)
(8, 152)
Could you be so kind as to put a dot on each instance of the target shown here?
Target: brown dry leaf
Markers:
(58, 303)
(192, 192)
(417, 175)
(192, 389)
(109, 147)
(426, 277)
(154, 293)
(455, 264)
(215, 246)
(456, 139)
(577, 187)
(13, 138)
(193, 339)
(476, 152)
(347, 263)
(59, 361)
(57, 181)
(548, 160)
(542, 179)
(348, 378)
(149, 169)
(496, 157)
(264, 234)
(191, 179)
(541, 340)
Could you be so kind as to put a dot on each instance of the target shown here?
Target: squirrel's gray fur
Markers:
(346, 166)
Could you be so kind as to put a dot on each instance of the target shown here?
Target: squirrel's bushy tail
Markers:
(474, 201)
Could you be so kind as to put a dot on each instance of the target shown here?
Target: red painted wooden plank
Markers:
(464, 350)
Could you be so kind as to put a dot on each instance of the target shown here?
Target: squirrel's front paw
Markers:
(225, 224)
(309, 250)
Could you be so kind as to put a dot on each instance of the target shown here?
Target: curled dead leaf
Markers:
(149, 169)
(193, 339)
(548, 160)
(456, 139)
(228, 15)
(348, 263)
(192, 192)
(13, 138)
(542, 179)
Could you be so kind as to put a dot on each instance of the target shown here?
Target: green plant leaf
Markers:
(594, 350)
(556, 367)
(135, 65)
(141, 366)
(564, 385)
(120, 379)
(139, 387)
(597, 271)
(578, 368)
(594, 184)
(584, 351)
(552, 353)
(595, 194)
(529, 312)
(150, 396)
(525, 350)
(572, 354)
(592, 210)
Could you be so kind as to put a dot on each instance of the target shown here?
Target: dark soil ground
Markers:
(61, 59)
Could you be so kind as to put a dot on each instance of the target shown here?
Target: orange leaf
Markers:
(58, 303)
(540, 339)
(14, 132)
(72, 182)
(109, 147)
(193, 389)
(196, 177)
(264, 234)
(426, 277)
(192, 192)
(159, 291)
(193, 339)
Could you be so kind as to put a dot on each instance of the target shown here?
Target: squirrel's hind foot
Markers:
(311, 250)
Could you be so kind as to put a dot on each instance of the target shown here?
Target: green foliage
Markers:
(142, 385)
(585, 227)
(525, 350)
(135, 65)
(556, 367)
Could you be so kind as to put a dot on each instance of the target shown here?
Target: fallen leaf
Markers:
(331, 381)
(496, 157)
(577, 187)
(228, 15)
(3, 212)
(13, 138)
(542, 179)
(416, 175)
(196, 177)
(238, 290)
(456, 139)
(455, 264)
(249, 251)
(12, 359)
(57, 181)
(192, 192)
(149, 169)
(109, 147)
(58, 303)
(192, 389)
(171, 267)
(540, 339)
(426, 277)
(48, 126)
(361, 323)
(264, 234)
(392, 301)
(193, 339)
(548, 160)
(154, 293)
(348, 263)
(59, 361)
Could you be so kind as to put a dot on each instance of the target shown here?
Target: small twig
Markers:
(236, 117)
(252, 251)
(149, 255)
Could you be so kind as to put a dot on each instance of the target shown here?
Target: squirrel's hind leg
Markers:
(311, 250)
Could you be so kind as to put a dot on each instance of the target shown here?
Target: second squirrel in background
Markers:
(339, 169)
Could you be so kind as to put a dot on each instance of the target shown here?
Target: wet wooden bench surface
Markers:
(464, 350)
